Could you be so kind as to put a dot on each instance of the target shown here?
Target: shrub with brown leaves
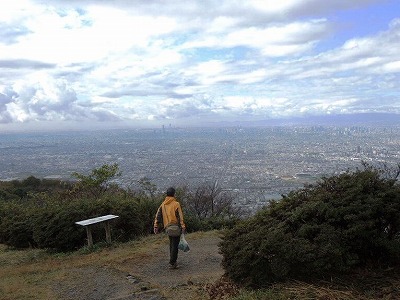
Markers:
(222, 289)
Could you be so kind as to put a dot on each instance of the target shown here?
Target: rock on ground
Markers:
(148, 277)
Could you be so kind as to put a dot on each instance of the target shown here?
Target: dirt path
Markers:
(148, 276)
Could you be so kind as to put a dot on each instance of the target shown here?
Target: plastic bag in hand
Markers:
(183, 244)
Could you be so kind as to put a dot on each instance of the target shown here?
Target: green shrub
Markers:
(147, 209)
(23, 189)
(42, 213)
(50, 223)
(16, 225)
(193, 223)
(339, 224)
(55, 225)
(135, 215)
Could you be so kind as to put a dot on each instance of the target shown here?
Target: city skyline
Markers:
(254, 163)
(98, 64)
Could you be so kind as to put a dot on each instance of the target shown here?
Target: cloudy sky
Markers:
(151, 62)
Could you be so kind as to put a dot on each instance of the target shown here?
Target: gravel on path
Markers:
(148, 277)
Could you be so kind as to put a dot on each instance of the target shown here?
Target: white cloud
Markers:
(145, 60)
(45, 99)
(66, 36)
(392, 67)
(274, 40)
(271, 6)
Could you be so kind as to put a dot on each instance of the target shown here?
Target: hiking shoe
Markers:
(173, 266)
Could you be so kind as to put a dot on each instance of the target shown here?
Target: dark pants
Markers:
(173, 249)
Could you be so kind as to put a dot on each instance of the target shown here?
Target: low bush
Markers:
(52, 225)
(16, 225)
(194, 223)
(62, 233)
(337, 225)
(42, 213)
(147, 207)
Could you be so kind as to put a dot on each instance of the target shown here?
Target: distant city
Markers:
(256, 164)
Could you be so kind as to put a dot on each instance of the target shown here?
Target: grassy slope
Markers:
(30, 274)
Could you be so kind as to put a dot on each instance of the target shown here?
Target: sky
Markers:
(109, 64)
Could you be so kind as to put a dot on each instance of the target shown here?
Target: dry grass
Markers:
(364, 285)
(304, 290)
(23, 273)
(29, 274)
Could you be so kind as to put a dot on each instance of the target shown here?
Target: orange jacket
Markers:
(169, 212)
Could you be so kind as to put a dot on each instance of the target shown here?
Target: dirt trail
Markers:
(148, 277)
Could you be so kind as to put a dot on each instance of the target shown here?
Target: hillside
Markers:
(338, 239)
(138, 270)
(135, 270)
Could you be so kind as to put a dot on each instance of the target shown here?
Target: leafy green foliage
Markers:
(42, 213)
(98, 181)
(147, 210)
(337, 225)
(16, 225)
(25, 189)
(53, 225)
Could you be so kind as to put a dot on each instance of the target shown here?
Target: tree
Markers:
(147, 187)
(31, 182)
(98, 181)
(210, 201)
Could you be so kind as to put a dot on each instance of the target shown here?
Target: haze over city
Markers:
(115, 64)
(255, 164)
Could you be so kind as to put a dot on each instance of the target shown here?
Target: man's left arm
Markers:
(158, 220)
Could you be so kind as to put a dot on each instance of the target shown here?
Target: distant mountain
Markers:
(352, 119)
(360, 119)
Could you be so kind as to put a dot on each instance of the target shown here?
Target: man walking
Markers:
(170, 215)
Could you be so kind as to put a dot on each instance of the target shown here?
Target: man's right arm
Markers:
(179, 215)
